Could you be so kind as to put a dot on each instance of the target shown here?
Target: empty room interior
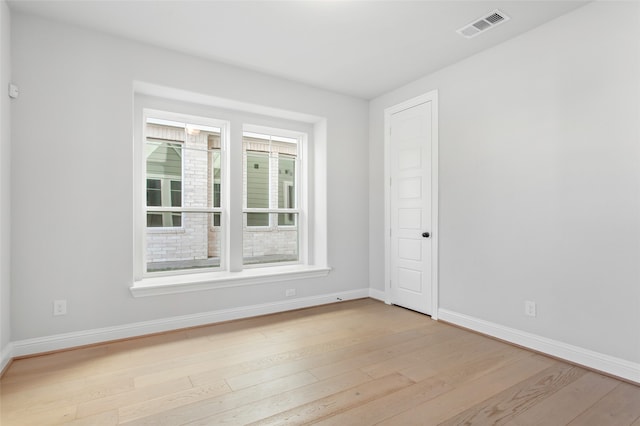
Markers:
(320, 212)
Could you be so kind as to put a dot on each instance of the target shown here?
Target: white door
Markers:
(411, 240)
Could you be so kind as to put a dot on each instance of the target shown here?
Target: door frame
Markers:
(432, 97)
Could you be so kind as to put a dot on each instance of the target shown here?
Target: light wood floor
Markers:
(352, 363)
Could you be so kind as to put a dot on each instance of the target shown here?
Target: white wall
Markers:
(72, 186)
(539, 180)
(5, 177)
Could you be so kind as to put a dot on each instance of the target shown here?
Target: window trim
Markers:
(173, 284)
(234, 113)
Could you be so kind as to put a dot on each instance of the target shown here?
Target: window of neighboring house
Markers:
(164, 192)
(182, 174)
(271, 232)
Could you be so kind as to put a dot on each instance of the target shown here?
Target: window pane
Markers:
(257, 170)
(176, 219)
(215, 161)
(154, 197)
(153, 184)
(176, 193)
(154, 219)
(183, 160)
(154, 193)
(257, 219)
(216, 195)
(164, 158)
(183, 165)
(164, 219)
(286, 182)
(287, 219)
(271, 245)
(191, 244)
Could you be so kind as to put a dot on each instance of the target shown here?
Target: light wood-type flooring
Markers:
(351, 363)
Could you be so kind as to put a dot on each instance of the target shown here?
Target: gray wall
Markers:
(5, 177)
(69, 245)
(539, 180)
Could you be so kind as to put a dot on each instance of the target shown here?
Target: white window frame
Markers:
(233, 118)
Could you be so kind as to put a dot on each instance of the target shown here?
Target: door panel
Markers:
(410, 207)
(409, 159)
(410, 280)
(410, 219)
(409, 249)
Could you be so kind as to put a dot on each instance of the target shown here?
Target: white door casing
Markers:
(411, 204)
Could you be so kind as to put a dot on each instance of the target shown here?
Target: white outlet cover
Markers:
(14, 92)
(59, 307)
(530, 308)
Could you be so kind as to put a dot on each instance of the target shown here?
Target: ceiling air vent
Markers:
(483, 24)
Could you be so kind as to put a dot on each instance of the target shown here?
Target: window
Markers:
(182, 173)
(223, 202)
(271, 226)
(164, 192)
(164, 179)
(184, 177)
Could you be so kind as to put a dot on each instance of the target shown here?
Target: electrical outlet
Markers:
(530, 308)
(290, 292)
(59, 307)
(14, 92)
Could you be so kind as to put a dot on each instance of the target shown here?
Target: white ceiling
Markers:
(359, 48)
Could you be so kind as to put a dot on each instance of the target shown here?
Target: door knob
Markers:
(426, 234)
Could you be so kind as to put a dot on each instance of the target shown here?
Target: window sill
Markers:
(207, 281)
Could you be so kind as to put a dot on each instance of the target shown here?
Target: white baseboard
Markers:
(6, 355)
(608, 364)
(100, 335)
(378, 295)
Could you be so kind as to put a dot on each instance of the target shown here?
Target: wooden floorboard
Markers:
(353, 363)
